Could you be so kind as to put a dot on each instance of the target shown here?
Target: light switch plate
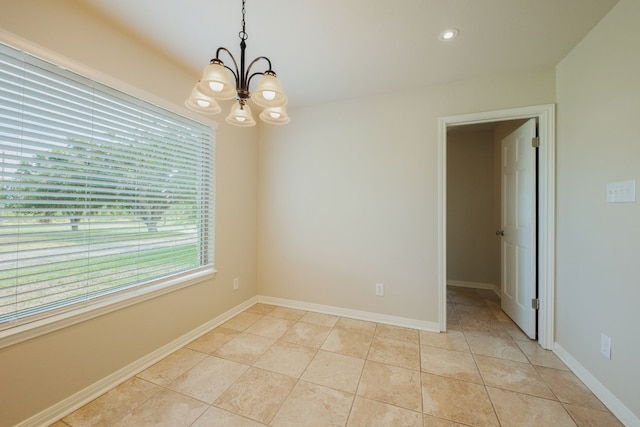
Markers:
(621, 192)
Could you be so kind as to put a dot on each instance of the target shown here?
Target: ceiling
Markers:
(328, 50)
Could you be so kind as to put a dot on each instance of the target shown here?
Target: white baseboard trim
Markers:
(353, 314)
(77, 400)
(616, 407)
(475, 285)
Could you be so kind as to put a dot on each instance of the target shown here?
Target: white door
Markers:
(518, 220)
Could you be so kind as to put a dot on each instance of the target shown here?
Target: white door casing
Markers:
(545, 115)
(518, 227)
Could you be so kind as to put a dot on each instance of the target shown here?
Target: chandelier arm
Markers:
(235, 73)
(255, 61)
(260, 73)
(257, 73)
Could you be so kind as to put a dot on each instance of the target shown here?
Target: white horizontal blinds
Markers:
(101, 191)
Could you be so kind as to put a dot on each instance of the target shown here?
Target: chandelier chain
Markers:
(243, 34)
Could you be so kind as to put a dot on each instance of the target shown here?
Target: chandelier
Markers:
(216, 84)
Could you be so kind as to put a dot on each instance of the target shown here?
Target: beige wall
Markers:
(473, 250)
(43, 371)
(598, 243)
(348, 195)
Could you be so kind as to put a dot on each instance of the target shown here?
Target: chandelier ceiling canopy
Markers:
(216, 83)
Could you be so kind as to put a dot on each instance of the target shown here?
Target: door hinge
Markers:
(535, 304)
(535, 142)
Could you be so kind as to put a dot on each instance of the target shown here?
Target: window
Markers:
(102, 193)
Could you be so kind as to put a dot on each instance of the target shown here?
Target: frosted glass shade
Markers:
(202, 103)
(274, 116)
(269, 92)
(240, 115)
(216, 82)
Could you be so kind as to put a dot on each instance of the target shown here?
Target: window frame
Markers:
(81, 312)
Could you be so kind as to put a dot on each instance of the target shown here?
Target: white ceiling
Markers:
(326, 50)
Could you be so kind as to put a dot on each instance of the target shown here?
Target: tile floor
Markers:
(275, 366)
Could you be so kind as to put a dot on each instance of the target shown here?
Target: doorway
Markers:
(544, 115)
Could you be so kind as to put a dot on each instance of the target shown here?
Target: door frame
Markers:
(545, 115)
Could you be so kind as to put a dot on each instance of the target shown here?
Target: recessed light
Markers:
(448, 34)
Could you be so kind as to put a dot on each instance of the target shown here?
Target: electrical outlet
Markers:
(605, 346)
(380, 289)
(236, 283)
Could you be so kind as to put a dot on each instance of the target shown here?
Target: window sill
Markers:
(92, 309)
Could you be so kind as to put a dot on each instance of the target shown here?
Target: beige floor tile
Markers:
(242, 321)
(245, 348)
(113, 405)
(515, 332)
(502, 317)
(216, 417)
(484, 326)
(367, 412)
(570, 389)
(475, 312)
(522, 410)
(59, 424)
(270, 327)
(320, 319)
(483, 318)
(391, 384)
(452, 316)
(311, 405)
(514, 376)
(257, 394)
(470, 299)
(493, 346)
(172, 366)
(209, 379)
(309, 334)
(398, 353)
(397, 333)
(261, 308)
(349, 342)
(213, 340)
(488, 294)
(327, 353)
(361, 326)
(286, 358)
(287, 313)
(334, 370)
(449, 363)
(166, 408)
(539, 356)
(456, 400)
(451, 340)
(430, 421)
(453, 324)
(587, 417)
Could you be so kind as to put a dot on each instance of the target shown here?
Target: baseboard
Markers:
(616, 407)
(76, 401)
(476, 285)
(353, 314)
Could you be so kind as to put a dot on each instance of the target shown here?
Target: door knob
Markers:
(500, 233)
